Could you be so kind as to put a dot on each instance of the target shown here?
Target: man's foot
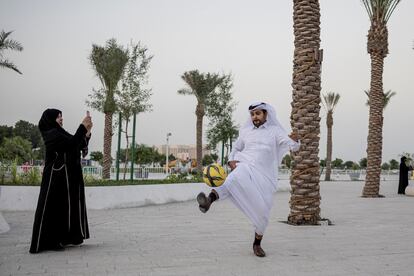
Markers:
(203, 202)
(258, 251)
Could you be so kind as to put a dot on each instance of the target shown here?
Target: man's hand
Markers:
(233, 164)
(294, 136)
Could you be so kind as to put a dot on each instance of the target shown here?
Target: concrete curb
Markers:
(24, 198)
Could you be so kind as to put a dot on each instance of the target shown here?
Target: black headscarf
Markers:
(48, 120)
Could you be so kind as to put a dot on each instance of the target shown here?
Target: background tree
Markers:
(386, 97)
(8, 44)
(338, 163)
(363, 163)
(305, 197)
(16, 148)
(220, 109)
(385, 166)
(29, 132)
(209, 159)
(5, 132)
(109, 64)
(133, 97)
(201, 86)
(379, 12)
(97, 156)
(330, 100)
(348, 165)
(394, 165)
(287, 161)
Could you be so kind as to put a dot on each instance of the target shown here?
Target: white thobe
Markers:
(250, 186)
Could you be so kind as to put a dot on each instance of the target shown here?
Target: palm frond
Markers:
(9, 44)
(386, 97)
(331, 100)
(380, 10)
(9, 65)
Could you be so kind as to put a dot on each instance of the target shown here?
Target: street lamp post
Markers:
(166, 153)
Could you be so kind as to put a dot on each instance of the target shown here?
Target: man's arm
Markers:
(291, 140)
(237, 147)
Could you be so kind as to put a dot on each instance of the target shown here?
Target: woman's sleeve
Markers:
(75, 141)
(84, 145)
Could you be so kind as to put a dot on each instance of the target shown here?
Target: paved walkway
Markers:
(370, 237)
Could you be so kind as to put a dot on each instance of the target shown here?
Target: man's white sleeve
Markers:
(284, 140)
(237, 147)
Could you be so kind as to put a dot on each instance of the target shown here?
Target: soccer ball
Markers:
(214, 175)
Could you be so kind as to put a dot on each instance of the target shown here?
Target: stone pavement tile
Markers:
(370, 237)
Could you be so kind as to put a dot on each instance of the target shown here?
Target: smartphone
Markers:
(88, 114)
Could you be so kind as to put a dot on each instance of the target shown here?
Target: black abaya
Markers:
(60, 216)
(404, 169)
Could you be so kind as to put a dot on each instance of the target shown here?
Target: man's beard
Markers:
(258, 123)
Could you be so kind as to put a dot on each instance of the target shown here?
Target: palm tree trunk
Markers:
(107, 159)
(329, 123)
(374, 149)
(305, 197)
(199, 136)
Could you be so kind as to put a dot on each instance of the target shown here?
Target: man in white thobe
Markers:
(254, 161)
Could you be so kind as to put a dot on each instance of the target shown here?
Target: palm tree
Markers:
(387, 97)
(8, 44)
(201, 86)
(379, 12)
(305, 197)
(109, 64)
(331, 99)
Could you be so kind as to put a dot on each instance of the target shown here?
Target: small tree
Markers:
(133, 97)
(220, 107)
(97, 156)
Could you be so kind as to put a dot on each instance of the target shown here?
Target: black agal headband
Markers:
(255, 106)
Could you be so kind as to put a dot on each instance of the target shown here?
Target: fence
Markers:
(159, 173)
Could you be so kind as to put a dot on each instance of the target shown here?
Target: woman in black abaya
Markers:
(60, 217)
(403, 175)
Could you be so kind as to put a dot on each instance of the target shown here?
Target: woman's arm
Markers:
(62, 142)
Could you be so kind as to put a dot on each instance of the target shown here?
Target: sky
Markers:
(252, 40)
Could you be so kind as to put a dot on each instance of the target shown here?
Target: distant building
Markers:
(182, 152)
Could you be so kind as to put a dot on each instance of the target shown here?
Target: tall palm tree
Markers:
(109, 64)
(305, 196)
(379, 12)
(387, 97)
(331, 100)
(201, 86)
(8, 44)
